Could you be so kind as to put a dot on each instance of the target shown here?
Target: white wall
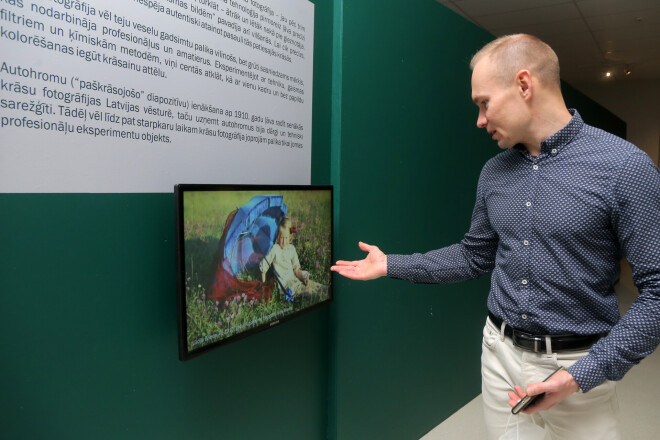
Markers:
(636, 102)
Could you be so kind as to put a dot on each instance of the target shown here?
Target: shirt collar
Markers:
(555, 143)
(563, 137)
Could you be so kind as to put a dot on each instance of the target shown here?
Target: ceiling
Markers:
(591, 37)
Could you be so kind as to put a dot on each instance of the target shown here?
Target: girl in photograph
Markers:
(283, 258)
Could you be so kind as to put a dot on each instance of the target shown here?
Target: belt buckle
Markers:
(516, 338)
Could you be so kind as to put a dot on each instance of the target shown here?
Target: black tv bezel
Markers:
(179, 191)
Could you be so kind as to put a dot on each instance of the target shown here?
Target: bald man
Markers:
(555, 212)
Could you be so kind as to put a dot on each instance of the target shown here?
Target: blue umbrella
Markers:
(253, 232)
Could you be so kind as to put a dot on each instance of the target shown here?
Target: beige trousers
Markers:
(592, 415)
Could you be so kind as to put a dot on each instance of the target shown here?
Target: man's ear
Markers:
(524, 83)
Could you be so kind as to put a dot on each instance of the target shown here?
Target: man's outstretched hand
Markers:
(372, 267)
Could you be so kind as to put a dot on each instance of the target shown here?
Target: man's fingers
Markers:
(346, 263)
(541, 387)
(365, 247)
(343, 269)
(350, 273)
(542, 404)
(556, 388)
(340, 269)
(515, 396)
(372, 267)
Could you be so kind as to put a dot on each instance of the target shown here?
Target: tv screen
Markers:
(249, 257)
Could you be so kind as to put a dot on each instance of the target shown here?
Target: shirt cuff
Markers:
(587, 373)
(396, 266)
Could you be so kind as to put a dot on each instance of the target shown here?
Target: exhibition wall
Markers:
(405, 356)
(89, 337)
(89, 341)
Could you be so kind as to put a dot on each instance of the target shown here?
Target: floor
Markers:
(638, 393)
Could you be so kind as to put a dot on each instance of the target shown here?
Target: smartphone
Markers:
(528, 400)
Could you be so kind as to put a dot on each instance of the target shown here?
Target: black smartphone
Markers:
(528, 400)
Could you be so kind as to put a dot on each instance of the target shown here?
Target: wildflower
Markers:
(203, 295)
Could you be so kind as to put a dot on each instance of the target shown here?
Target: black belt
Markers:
(536, 343)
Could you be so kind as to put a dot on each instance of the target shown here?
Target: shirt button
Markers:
(528, 204)
(523, 316)
(524, 281)
(554, 151)
(526, 243)
(536, 167)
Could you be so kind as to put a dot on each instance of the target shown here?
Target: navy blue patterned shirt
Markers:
(553, 229)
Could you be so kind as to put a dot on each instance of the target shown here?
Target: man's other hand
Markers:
(557, 388)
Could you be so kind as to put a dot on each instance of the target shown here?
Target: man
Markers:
(554, 214)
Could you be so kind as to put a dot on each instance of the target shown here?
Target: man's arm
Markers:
(637, 334)
(471, 258)
(636, 220)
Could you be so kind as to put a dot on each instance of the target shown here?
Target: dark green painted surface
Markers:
(407, 356)
(89, 335)
(323, 43)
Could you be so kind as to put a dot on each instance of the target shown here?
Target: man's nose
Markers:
(481, 120)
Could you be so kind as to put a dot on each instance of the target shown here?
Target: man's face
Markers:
(502, 110)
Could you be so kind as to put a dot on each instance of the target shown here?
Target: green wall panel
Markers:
(89, 335)
(407, 356)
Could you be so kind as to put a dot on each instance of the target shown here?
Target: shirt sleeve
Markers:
(473, 257)
(636, 221)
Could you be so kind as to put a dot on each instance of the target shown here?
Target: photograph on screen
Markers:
(249, 257)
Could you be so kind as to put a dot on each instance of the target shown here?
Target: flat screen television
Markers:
(248, 258)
